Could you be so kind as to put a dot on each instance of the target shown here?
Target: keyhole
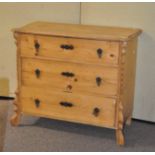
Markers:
(75, 79)
(69, 87)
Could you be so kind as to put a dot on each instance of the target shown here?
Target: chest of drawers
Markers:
(76, 73)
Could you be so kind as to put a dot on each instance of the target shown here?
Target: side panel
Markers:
(128, 63)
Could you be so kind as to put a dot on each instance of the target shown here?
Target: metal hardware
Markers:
(99, 52)
(67, 47)
(68, 74)
(96, 111)
(66, 104)
(37, 47)
(37, 72)
(98, 81)
(37, 102)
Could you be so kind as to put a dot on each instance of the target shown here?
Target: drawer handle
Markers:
(96, 111)
(98, 81)
(37, 72)
(68, 74)
(66, 104)
(37, 47)
(67, 47)
(37, 102)
(99, 52)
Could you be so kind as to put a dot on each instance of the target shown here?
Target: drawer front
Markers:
(98, 111)
(69, 77)
(90, 51)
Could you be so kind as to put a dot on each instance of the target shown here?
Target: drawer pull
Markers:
(68, 74)
(99, 52)
(37, 46)
(66, 104)
(96, 111)
(98, 81)
(37, 72)
(37, 102)
(67, 47)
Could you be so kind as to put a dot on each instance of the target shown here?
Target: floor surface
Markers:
(3, 119)
(40, 134)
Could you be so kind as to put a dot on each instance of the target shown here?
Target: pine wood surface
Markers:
(84, 50)
(84, 79)
(81, 111)
(109, 104)
(80, 31)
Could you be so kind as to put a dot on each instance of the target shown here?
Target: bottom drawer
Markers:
(91, 110)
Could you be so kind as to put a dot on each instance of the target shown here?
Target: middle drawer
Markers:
(70, 77)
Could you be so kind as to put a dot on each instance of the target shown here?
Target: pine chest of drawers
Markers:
(76, 73)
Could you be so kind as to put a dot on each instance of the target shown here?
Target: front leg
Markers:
(15, 119)
(120, 137)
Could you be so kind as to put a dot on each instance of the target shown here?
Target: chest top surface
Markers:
(80, 31)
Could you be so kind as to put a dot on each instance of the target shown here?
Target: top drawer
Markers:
(70, 49)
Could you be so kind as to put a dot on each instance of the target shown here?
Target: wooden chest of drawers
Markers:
(76, 73)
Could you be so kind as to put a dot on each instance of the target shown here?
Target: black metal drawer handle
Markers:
(67, 47)
(68, 74)
(66, 104)
(37, 73)
(96, 111)
(98, 81)
(99, 52)
(37, 103)
(37, 47)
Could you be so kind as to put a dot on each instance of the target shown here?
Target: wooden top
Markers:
(80, 31)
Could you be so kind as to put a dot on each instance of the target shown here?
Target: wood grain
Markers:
(79, 31)
(84, 50)
(82, 110)
(84, 80)
(128, 73)
(15, 119)
(108, 104)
